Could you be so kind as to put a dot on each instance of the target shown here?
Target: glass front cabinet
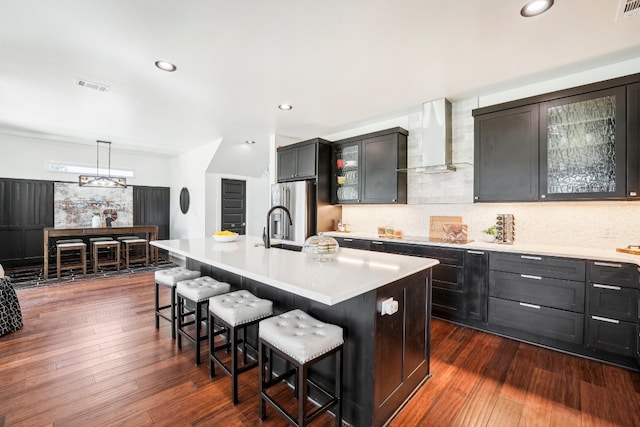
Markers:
(583, 147)
(346, 183)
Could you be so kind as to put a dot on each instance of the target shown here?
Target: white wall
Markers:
(28, 158)
(190, 170)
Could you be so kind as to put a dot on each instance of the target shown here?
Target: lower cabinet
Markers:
(476, 276)
(530, 321)
(613, 315)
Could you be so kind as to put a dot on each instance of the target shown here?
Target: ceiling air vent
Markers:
(628, 8)
(91, 85)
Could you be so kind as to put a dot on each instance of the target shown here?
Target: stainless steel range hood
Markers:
(436, 137)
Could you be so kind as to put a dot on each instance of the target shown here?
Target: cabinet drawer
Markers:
(447, 276)
(534, 319)
(353, 243)
(613, 301)
(562, 294)
(611, 335)
(537, 265)
(614, 273)
(446, 303)
(445, 256)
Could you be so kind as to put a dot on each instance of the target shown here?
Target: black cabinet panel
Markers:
(613, 301)
(540, 321)
(416, 334)
(26, 208)
(476, 277)
(611, 335)
(563, 294)
(389, 357)
(298, 161)
(506, 155)
(614, 273)
(151, 206)
(537, 265)
(446, 303)
(633, 141)
(448, 277)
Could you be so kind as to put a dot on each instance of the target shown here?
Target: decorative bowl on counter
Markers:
(225, 236)
(321, 247)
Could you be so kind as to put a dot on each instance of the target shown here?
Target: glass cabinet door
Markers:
(582, 150)
(346, 179)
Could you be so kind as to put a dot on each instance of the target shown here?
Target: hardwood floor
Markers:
(89, 355)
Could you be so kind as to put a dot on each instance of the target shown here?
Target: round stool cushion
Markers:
(239, 307)
(171, 276)
(299, 335)
(201, 288)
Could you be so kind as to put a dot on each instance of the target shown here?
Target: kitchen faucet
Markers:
(267, 240)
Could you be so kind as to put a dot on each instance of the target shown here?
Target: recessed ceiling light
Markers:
(285, 106)
(536, 7)
(249, 141)
(166, 66)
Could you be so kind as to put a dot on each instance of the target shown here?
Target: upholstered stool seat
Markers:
(64, 246)
(169, 278)
(198, 291)
(300, 340)
(110, 250)
(234, 311)
(135, 250)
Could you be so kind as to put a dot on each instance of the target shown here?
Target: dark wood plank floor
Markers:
(89, 355)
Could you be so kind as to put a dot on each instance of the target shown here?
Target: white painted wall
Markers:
(28, 158)
(190, 170)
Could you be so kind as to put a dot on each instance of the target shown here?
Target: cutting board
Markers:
(437, 223)
(635, 251)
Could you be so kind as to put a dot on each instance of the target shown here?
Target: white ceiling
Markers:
(341, 63)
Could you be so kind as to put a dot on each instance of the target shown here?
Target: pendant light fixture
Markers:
(101, 180)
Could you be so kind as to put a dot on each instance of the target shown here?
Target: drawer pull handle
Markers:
(613, 288)
(535, 258)
(524, 304)
(607, 264)
(377, 243)
(604, 319)
(529, 276)
(476, 252)
(348, 240)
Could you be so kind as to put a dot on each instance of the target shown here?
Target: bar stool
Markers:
(233, 312)
(134, 245)
(92, 240)
(198, 291)
(169, 278)
(111, 251)
(71, 245)
(300, 340)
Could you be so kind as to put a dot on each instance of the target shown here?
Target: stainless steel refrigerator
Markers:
(300, 198)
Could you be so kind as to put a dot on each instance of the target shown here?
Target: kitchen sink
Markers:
(287, 247)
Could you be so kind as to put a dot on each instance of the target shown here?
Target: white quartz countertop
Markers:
(604, 254)
(348, 274)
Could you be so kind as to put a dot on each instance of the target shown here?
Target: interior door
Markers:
(234, 205)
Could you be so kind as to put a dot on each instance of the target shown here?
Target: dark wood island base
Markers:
(386, 357)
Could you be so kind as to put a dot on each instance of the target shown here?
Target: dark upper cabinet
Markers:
(506, 155)
(587, 137)
(366, 168)
(633, 141)
(582, 146)
(298, 161)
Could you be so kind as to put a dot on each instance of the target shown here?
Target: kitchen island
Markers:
(386, 356)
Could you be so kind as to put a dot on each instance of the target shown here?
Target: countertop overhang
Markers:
(347, 274)
(597, 254)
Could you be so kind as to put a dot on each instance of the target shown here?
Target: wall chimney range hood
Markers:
(436, 137)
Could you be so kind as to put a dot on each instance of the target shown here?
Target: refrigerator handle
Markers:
(287, 203)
